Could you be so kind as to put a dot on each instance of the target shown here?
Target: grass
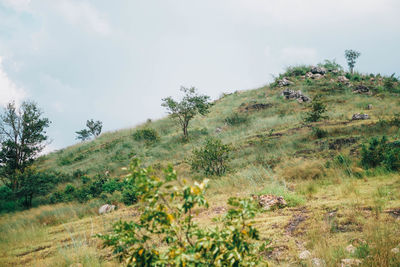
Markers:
(332, 201)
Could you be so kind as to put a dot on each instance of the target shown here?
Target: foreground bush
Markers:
(212, 158)
(166, 234)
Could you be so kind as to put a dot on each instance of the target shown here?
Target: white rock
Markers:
(305, 255)
(106, 208)
(395, 250)
(350, 262)
(351, 249)
(316, 262)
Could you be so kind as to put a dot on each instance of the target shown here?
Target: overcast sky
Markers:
(114, 60)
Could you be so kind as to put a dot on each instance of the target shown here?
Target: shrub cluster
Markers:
(379, 152)
(237, 119)
(317, 109)
(147, 135)
(212, 159)
(167, 235)
(318, 132)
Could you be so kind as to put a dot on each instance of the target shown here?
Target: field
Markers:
(333, 201)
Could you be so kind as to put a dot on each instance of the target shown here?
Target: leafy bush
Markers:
(330, 65)
(297, 70)
(318, 132)
(317, 110)
(129, 195)
(236, 119)
(112, 185)
(148, 135)
(212, 158)
(167, 235)
(380, 153)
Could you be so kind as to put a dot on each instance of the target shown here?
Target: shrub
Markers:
(167, 235)
(212, 158)
(112, 185)
(236, 119)
(129, 195)
(148, 135)
(318, 132)
(330, 65)
(297, 70)
(317, 110)
(381, 153)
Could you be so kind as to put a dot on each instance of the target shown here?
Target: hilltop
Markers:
(334, 200)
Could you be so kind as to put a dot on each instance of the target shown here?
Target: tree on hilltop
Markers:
(351, 56)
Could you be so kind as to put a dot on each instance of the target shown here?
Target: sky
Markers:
(114, 61)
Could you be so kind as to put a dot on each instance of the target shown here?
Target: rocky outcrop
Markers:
(291, 94)
(343, 79)
(318, 70)
(284, 82)
(359, 116)
(106, 208)
(361, 89)
(268, 202)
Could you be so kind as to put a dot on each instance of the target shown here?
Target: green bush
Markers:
(330, 65)
(212, 159)
(296, 70)
(129, 195)
(318, 132)
(147, 135)
(167, 235)
(381, 153)
(318, 108)
(236, 119)
(112, 185)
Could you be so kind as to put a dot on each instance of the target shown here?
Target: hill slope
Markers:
(333, 201)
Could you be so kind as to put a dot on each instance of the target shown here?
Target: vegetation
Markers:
(318, 108)
(379, 152)
(212, 159)
(93, 129)
(185, 110)
(148, 135)
(167, 217)
(236, 119)
(351, 57)
(22, 136)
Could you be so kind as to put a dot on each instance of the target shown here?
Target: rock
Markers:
(369, 107)
(335, 71)
(343, 79)
(284, 82)
(291, 94)
(318, 262)
(309, 75)
(351, 249)
(350, 262)
(218, 130)
(318, 70)
(361, 89)
(395, 250)
(372, 79)
(317, 76)
(359, 116)
(106, 208)
(268, 202)
(305, 255)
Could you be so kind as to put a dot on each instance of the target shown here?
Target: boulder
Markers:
(316, 262)
(395, 250)
(106, 208)
(351, 249)
(284, 82)
(318, 70)
(304, 255)
(317, 76)
(369, 107)
(218, 130)
(343, 79)
(268, 202)
(359, 116)
(350, 262)
(291, 94)
(361, 89)
(309, 75)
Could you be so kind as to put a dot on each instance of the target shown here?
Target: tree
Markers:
(351, 56)
(191, 105)
(23, 137)
(318, 108)
(93, 129)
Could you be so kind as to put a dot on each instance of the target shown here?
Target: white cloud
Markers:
(9, 90)
(83, 14)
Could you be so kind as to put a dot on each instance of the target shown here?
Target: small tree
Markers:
(191, 104)
(93, 129)
(23, 137)
(318, 108)
(212, 158)
(351, 56)
(166, 233)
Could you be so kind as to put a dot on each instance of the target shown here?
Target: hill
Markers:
(334, 199)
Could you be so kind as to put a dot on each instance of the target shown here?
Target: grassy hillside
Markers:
(333, 200)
